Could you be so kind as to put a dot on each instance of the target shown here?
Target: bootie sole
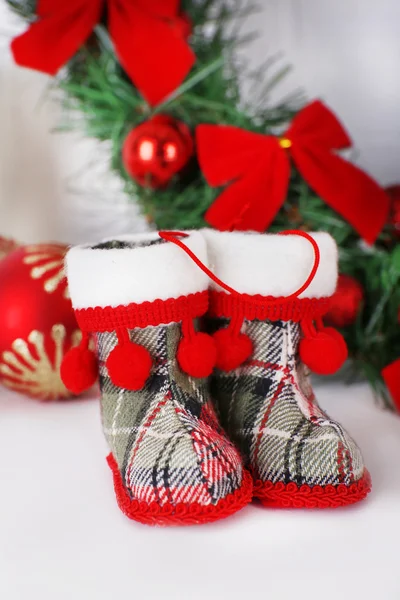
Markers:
(290, 495)
(180, 514)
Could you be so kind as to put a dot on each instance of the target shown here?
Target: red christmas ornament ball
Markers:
(37, 323)
(156, 150)
(346, 302)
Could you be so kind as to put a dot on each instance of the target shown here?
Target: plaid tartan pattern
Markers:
(268, 408)
(166, 439)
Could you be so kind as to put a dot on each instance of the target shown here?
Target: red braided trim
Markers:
(265, 308)
(290, 495)
(180, 514)
(145, 314)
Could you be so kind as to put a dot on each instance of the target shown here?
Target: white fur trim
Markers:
(272, 265)
(115, 277)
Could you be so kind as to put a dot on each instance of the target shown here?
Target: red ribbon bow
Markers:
(149, 39)
(259, 167)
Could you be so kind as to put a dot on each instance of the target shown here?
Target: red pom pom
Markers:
(79, 370)
(325, 353)
(232, 350)
(129, 366)
(197, 355)
(334, 333)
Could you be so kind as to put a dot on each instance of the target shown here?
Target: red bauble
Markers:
(346, 302)
(157, 150)
(37, 323)
(394, 195)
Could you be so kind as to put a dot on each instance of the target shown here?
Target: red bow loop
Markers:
(258, 171)
(226, 152)
(166, 9)
(57, 34)
(149, 39)
(232, 155)
(317, 125)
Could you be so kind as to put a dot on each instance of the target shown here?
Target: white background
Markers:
(62, 536)
(345, 51)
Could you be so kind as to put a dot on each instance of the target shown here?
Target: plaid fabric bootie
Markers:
(266, 335)
(172, 463)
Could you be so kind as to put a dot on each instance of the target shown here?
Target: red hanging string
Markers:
(173, 237)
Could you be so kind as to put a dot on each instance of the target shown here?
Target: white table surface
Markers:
(62, 535)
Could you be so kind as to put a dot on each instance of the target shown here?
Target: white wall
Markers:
(348, 53)
(345, 51)
(52, 186)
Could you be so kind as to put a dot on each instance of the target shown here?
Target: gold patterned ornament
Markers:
(28, 368)
(47, 262)
(37, 323)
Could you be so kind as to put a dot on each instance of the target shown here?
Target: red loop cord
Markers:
(235, 326)
(123, 336)
(308, 328)
(188, 329)
(85, 340)
(317, 260)
(173, 237)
